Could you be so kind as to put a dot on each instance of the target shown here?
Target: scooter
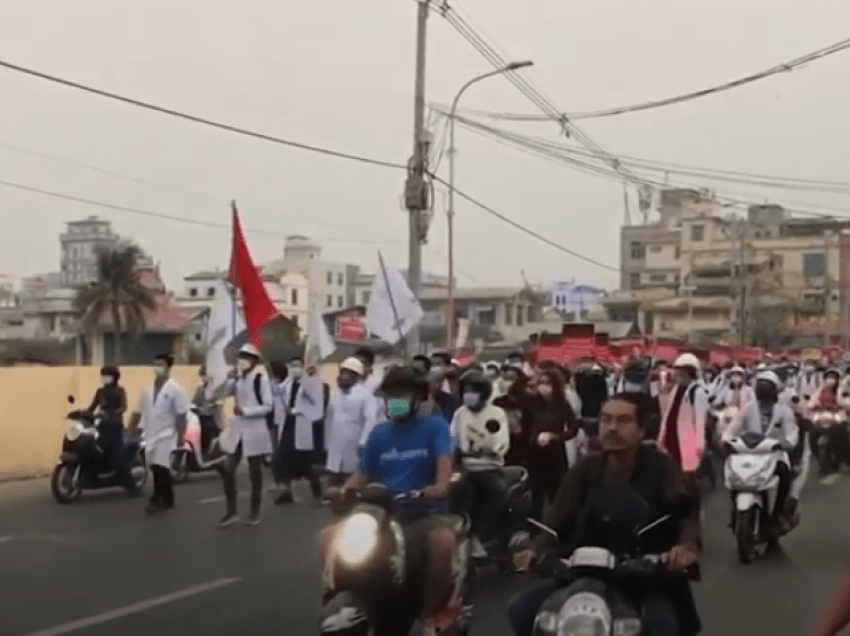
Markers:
(82, 463)
(598, 585)
(829, 432)
(189, 457)
(751, 479)
(366, 576)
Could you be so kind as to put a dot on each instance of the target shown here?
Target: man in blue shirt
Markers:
(411, 454)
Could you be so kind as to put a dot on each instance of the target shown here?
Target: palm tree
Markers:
(117, 290)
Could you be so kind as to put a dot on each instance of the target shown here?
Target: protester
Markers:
(208, 410)
(110, 402)
(685, 410)
(161, 412)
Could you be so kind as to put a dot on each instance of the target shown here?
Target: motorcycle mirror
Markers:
(71, 399)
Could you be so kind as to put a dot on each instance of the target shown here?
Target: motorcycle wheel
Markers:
(745, 534)
(179, 468)
(58, 484)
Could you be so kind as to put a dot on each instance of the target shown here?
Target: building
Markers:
(699, 275)
(79, 245)
(573, 300)
(288, 290)
(7, 291)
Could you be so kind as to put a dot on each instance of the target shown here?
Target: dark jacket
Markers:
(112, 401)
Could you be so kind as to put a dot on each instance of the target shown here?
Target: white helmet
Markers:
(687, 360)
(736, 369)
(249, 350)
(770, 376)
(354, 365)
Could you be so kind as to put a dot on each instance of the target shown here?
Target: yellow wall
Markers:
(34, 401)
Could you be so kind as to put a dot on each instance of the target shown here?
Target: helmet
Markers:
(736, 369)
(834, 372)
(476, 382)
(401, 380)
(248, 349)
(769, 376)
(687, 360)
(355, 365)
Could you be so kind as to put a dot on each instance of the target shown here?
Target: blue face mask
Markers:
(398, 408)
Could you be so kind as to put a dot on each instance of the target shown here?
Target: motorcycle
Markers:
(599, 583)
(751, 479)
(366, 578)
(189, 458)
(83, 465)
(517, 507)
(829, 426)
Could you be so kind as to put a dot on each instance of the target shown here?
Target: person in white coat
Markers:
(161, 411)
(249, 434)
(350, 413)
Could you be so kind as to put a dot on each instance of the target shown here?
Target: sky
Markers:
(339, 74)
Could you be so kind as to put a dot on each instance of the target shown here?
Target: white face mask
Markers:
(831, 382)
(160, 371)
(105, 380)
(544, 390)
(471, 399)
(243, 365)
(296, 371)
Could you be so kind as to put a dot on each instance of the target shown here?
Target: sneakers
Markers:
(477, 550)
(253, 520)
(285, 496)
(228, 520)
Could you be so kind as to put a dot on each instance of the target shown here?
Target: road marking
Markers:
(5, 539)
(133, 609)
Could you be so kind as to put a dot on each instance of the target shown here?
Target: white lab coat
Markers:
(349, 415)
(303, 425)
(160, 416)
(782, 426)
(379, 408)
(250, 428)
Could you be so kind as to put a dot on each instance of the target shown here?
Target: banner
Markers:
(394, 310)
(224, 323)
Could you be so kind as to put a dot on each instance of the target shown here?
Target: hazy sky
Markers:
(339, 73)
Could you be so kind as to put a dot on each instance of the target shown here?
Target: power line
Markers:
(158, 215)
(789, 66)
(199, 120)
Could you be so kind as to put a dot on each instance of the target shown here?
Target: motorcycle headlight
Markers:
(357, 538)
(584, 614)
(73, 432)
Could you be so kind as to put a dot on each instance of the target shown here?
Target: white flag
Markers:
(390, 291)
(225, 323)
(319, 344)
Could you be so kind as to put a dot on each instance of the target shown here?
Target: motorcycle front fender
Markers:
(746, 500)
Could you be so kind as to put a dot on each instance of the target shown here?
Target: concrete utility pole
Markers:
(739, 229)
(827, 328)
(417, 194)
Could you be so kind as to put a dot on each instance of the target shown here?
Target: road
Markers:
(101, 567)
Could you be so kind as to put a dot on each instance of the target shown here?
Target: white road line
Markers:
(133, 609)
(5, 539)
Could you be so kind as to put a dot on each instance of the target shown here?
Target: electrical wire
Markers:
(160, 215)
(200, 120)
(789, 66)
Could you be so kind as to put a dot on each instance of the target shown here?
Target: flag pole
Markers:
(392, 304)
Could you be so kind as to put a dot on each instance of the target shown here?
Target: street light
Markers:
(450, 317)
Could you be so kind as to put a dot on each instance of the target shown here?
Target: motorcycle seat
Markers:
(514, 474)
(459, 523)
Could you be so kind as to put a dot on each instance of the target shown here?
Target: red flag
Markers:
(259, 308)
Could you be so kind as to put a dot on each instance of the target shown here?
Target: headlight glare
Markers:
(357, 538)
(584, 614)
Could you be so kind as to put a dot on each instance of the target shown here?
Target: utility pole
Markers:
(417, 194)
(827, 328)
(740, 233)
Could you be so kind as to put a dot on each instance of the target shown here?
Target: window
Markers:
(637, 249)
(193, 292)
(210, 292)
(340, 280)
(520, 315)
(697, 233)
(509, 314)
(678, 253)
(814, 265)
(295, 297)
(329, 277)
(634, 279)
(655, 249)
(367, 295)
(330, 301)
(658, 278)
(340, 301)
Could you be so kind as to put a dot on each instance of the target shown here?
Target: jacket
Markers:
(690, 424)
(782, 427)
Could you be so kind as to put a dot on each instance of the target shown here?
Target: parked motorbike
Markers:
(84, 466)
(366, 573)
(599, 584)
(189, 458)
(517, 507)
(829, 439)
(751, 479)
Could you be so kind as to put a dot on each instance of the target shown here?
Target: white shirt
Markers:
(251, 428)
(303, 425)
(349, 415)
(470, 431)
(160, 416)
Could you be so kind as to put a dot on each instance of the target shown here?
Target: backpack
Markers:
(258, 393)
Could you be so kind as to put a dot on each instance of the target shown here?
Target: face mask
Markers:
(831, 382)
(160, 371)
(545, 390)
(471, 400)
(105, 380)
(398, 408)
(243, 365)
(736, 382)
(296, 372)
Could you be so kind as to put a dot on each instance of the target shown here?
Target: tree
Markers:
(117, 291)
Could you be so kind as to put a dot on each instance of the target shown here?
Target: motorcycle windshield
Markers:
(610, 519)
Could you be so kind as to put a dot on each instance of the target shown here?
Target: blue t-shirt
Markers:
(404, 457)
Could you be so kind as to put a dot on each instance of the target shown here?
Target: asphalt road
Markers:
(101, 567)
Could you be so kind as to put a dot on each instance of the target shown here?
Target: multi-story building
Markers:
(7, 291)
(573, 300)
(79, 245)
(699, 275)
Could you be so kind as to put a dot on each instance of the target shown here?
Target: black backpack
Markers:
(258, 393)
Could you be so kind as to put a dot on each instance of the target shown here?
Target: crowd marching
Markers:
(447, 435)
